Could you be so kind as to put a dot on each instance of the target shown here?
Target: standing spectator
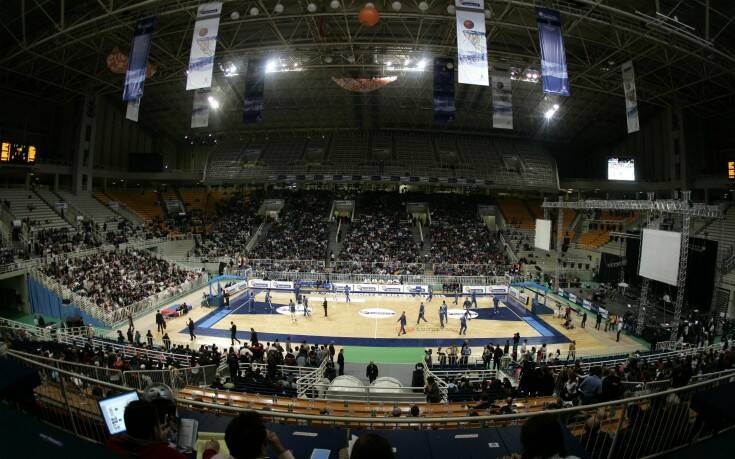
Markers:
(149, 338)
(372, 372)
(160, 323)
(584, 319)
(572, 353)
(341, 362)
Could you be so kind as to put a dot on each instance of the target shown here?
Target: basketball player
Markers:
(496, 301)
(292, 309)
(306, 307)
(251, 299)
(422, 310)
(431, 294)
(474, 298)
(268, 300)
(402, 321)
(347, 293)
(463, 323)
(443, 313)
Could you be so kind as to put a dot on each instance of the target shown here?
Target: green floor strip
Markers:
(362, 354)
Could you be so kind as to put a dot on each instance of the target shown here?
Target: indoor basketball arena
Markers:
(336, 229)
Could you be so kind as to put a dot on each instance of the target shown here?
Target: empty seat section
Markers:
(144, 204)
(26, 205)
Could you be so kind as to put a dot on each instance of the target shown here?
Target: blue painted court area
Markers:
(513, 312)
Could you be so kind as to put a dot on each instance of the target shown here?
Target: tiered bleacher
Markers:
(380, 240)
(25, 205)
(388, 155)
(90, 207)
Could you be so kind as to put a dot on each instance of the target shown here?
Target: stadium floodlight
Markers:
(396, 6)
(422, 64)
(549, 114)
(278, 8)
(423, 6)
(334, 4)
(214, 103)
(271, 66)
(254, 11)
(311, 7)
(556, 107)
(451, 9)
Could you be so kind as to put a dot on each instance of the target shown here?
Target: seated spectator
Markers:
(144, 438)
(371, 446)
(247, 438)
(542, 438)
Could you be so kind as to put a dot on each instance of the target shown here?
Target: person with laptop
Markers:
(145, 437)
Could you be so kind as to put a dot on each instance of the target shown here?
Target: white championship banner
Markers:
(203, 46)
(133, 107)
(631, 99)
(470, 4)
(502, 101)
(472, 48)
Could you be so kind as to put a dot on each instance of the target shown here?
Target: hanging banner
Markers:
(470, 4)
(472, 48)
(200, 109)
(131, 112)
(138, 59)
(443, 90)
(553, 58)
(254, 90)
(203, 46)
(631, 100)
(502, 101)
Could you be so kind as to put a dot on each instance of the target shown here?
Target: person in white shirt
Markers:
(247, 438)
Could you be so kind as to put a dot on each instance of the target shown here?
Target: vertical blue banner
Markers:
(254, 90)
(443, 90)
(553, 59)
(138, 59)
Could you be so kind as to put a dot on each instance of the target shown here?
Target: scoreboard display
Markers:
(17, 153)
(731, 171)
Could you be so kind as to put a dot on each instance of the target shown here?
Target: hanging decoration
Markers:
(117, 62)
(364, 84)
(553, 58)
(138, 65)
(203, 46)
(471, 45)
(369, 16)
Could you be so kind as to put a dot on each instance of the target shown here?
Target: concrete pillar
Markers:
(56, 182)
(84, 154)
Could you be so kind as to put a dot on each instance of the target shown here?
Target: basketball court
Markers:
(367, 326)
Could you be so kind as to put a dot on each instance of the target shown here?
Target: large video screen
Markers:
(620, 169)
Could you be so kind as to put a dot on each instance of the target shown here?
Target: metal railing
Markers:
(175, 378)
(647, 425)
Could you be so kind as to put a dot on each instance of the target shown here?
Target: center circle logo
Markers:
(458, 313)
(377, 313)
(299, 310)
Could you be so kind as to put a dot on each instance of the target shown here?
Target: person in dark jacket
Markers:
(144, 438)
(341, 362)
(372, 372)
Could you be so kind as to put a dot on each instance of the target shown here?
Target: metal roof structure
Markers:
(683, 52)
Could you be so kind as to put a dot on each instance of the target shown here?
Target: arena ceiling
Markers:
(57, 49)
